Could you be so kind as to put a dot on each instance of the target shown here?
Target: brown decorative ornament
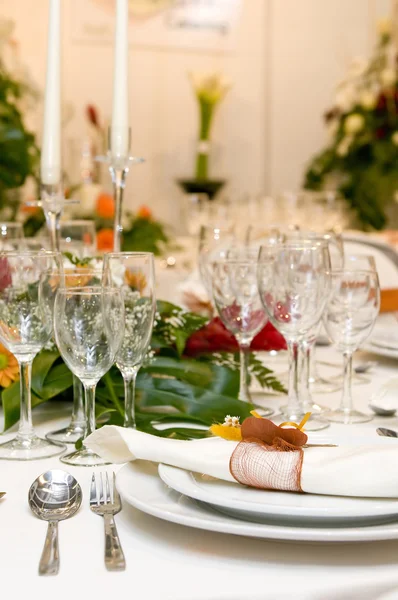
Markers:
(266, 431)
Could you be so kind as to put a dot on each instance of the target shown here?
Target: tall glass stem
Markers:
(25, 430)
(119, 182)
(129, 398)
(244, 393)
(52, 220)
(89, 391)
(306, 351)
(78, 417)
(346, 401)
(294, 406)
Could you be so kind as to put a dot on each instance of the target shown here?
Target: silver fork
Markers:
(106, 503)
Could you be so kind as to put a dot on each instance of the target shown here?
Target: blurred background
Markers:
(282, 61)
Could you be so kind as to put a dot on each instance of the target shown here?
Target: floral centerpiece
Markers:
(210, 89)
(361, 158)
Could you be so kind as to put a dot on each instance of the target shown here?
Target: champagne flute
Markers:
(349, 319)
(133, 273)
(294, 284)
(74, 431)
(28, 283)
(89, 328)
(77, 238)
(238, 303)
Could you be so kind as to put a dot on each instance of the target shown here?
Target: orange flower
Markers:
(30, 210)
(136, 280)
(144, 212)
(105, 240)
(105, 206)
(9, 369)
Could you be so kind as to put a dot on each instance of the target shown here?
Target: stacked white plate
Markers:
(199, 501)
(384, 337)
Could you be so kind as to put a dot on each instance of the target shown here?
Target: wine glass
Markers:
(28, 282)
(75, 278)
(294, 283)
(349, 319)
(78, 237)
(132, 273)
(11, 236)
(311, 378)
(214, 243)
(89, 328)
(238, 303)
(354, 262)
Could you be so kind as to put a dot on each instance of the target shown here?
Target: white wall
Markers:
(290, 54)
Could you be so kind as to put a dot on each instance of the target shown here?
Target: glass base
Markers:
(320, 385)
(83, 458)
(314, 408)
(315, 423)
(347, 416)
(67, 435)
(29, 449)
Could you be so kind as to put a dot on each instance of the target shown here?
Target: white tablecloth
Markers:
(171, 562)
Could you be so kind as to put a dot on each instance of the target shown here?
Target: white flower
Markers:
(231, 421)
(344, 146)
(388, 77)
(210, 86)
(346, 98)
(368, 99)
(118, 272)
(394, 138)
(384, 27)
(354, 123)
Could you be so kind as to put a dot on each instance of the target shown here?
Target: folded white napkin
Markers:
(366, 471)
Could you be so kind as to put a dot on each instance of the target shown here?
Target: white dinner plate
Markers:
(380, 350)
(267, 506)
(140, 485)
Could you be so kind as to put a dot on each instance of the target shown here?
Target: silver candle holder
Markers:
(119, 167)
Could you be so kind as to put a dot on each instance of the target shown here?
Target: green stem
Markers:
(202, 159)
(109, 386)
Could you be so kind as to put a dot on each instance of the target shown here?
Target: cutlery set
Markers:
(56, 495)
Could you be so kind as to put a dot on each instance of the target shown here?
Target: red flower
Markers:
(5, 274)
(214, 337)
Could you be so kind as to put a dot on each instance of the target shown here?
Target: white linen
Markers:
(173, 562)
(363, 471)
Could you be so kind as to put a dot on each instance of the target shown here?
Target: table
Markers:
(172, 562)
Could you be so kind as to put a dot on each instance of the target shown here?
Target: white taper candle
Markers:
(120, 111)
(51, 143)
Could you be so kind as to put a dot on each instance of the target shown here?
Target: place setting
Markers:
(219, 358)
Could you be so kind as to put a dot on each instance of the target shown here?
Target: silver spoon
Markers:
(53, 497)
(383, 412)
(384, 432)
